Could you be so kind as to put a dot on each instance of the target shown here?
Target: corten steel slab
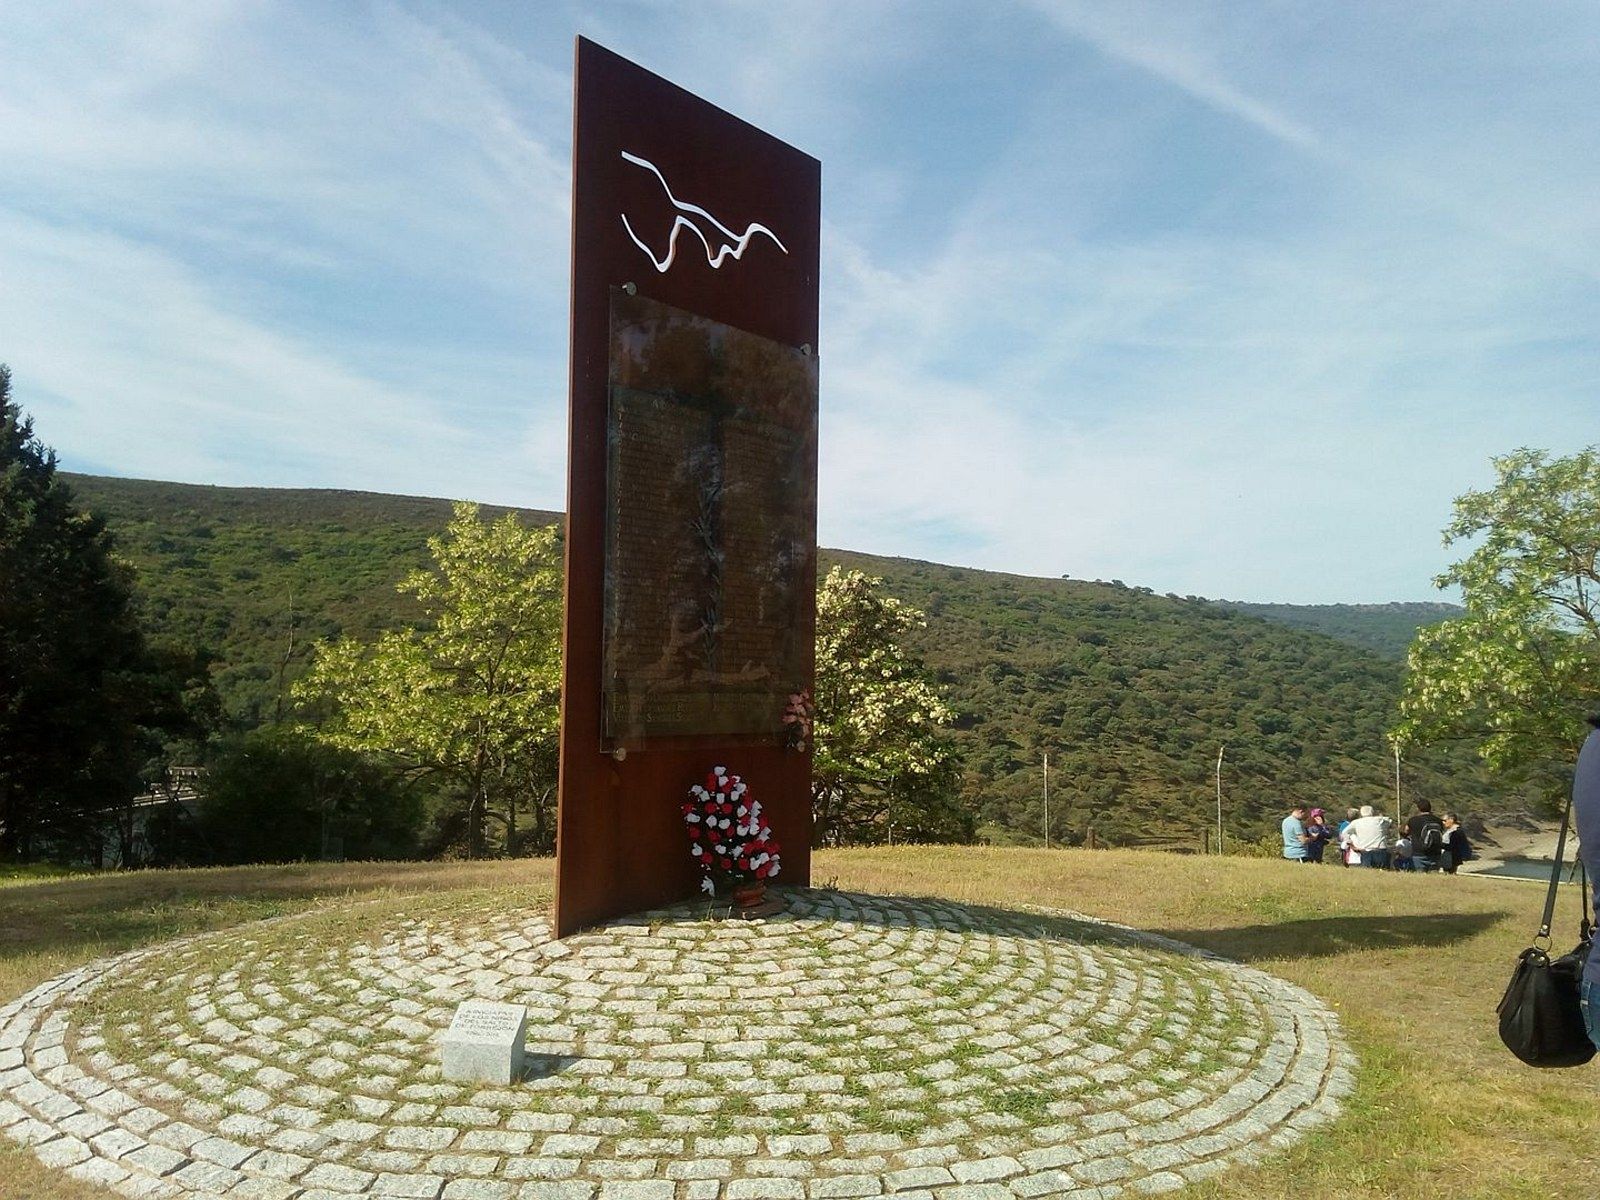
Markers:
(693, 182)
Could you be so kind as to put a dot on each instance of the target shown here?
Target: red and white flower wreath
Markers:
(728, 832)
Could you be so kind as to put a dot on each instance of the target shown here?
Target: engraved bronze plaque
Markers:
(711, 442)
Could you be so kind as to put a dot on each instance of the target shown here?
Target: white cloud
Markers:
(138, 365)
(215, 220)
(1125, 32)
(1240, 319)
(1224, 416)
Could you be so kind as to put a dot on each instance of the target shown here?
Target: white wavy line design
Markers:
(736, 243)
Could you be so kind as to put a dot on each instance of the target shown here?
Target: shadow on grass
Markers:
(1327, 937)
(1316, 937)
(115, 910)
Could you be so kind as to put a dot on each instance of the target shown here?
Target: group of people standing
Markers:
(1367, 838)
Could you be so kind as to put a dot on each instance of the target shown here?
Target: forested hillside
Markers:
(1386, 629)
(256, 575)
(1130, 692)
(1133, 693)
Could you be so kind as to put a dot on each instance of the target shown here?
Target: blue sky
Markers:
(1228, 299)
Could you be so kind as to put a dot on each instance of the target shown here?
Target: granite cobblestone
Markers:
(851, 1047)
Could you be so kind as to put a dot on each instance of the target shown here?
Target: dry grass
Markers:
(1414, 965)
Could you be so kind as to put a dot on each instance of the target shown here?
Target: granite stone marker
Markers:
(484, 1042)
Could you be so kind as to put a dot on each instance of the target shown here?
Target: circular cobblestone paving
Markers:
(851, 1046)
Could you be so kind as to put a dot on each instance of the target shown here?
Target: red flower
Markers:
(728, 831)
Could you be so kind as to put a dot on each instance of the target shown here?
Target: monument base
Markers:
(721, 910)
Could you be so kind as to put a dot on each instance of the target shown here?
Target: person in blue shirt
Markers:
(1295, 836)
(1586, 808)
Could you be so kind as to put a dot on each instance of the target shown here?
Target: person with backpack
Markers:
(1427, 838)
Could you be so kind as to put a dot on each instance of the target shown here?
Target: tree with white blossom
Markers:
(882, 754)
(1516, 674)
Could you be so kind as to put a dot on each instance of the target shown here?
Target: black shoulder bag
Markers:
(1541, 1021)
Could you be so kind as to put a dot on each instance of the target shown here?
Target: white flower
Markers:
(707, 886)
(696, 850)
(719, 772)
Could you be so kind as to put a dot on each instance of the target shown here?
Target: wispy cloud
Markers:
(194, 382)
(1125, 32)
(1213, 299)
(214, 222)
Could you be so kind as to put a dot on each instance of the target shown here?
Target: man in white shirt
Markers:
(1369, 836)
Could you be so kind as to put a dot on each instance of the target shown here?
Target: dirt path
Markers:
(1525, 837)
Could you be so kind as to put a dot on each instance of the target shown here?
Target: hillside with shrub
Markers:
(1131, 693)
(256, 576)
(1385, 629)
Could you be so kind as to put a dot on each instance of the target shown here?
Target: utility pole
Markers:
(283, 665)
(1396, 780)
(1047, 799)
(1220, 749)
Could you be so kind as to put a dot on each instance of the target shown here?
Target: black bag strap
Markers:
(1555, 877)
(1585, 898)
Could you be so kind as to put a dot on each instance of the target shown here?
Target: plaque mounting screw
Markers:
(621, 752)
(631, 288)
(805, 349)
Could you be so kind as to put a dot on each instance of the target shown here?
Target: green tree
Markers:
(881, 755)
(273, 795)
(472, 697)
(84, 704)
(175, 711)
(1517, 673)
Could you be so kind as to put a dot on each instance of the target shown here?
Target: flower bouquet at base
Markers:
(730, 838)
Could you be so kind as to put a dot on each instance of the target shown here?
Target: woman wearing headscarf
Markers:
(1319, 833)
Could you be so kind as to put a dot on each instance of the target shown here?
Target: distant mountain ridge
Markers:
(1130, 692)
(1386, 629)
